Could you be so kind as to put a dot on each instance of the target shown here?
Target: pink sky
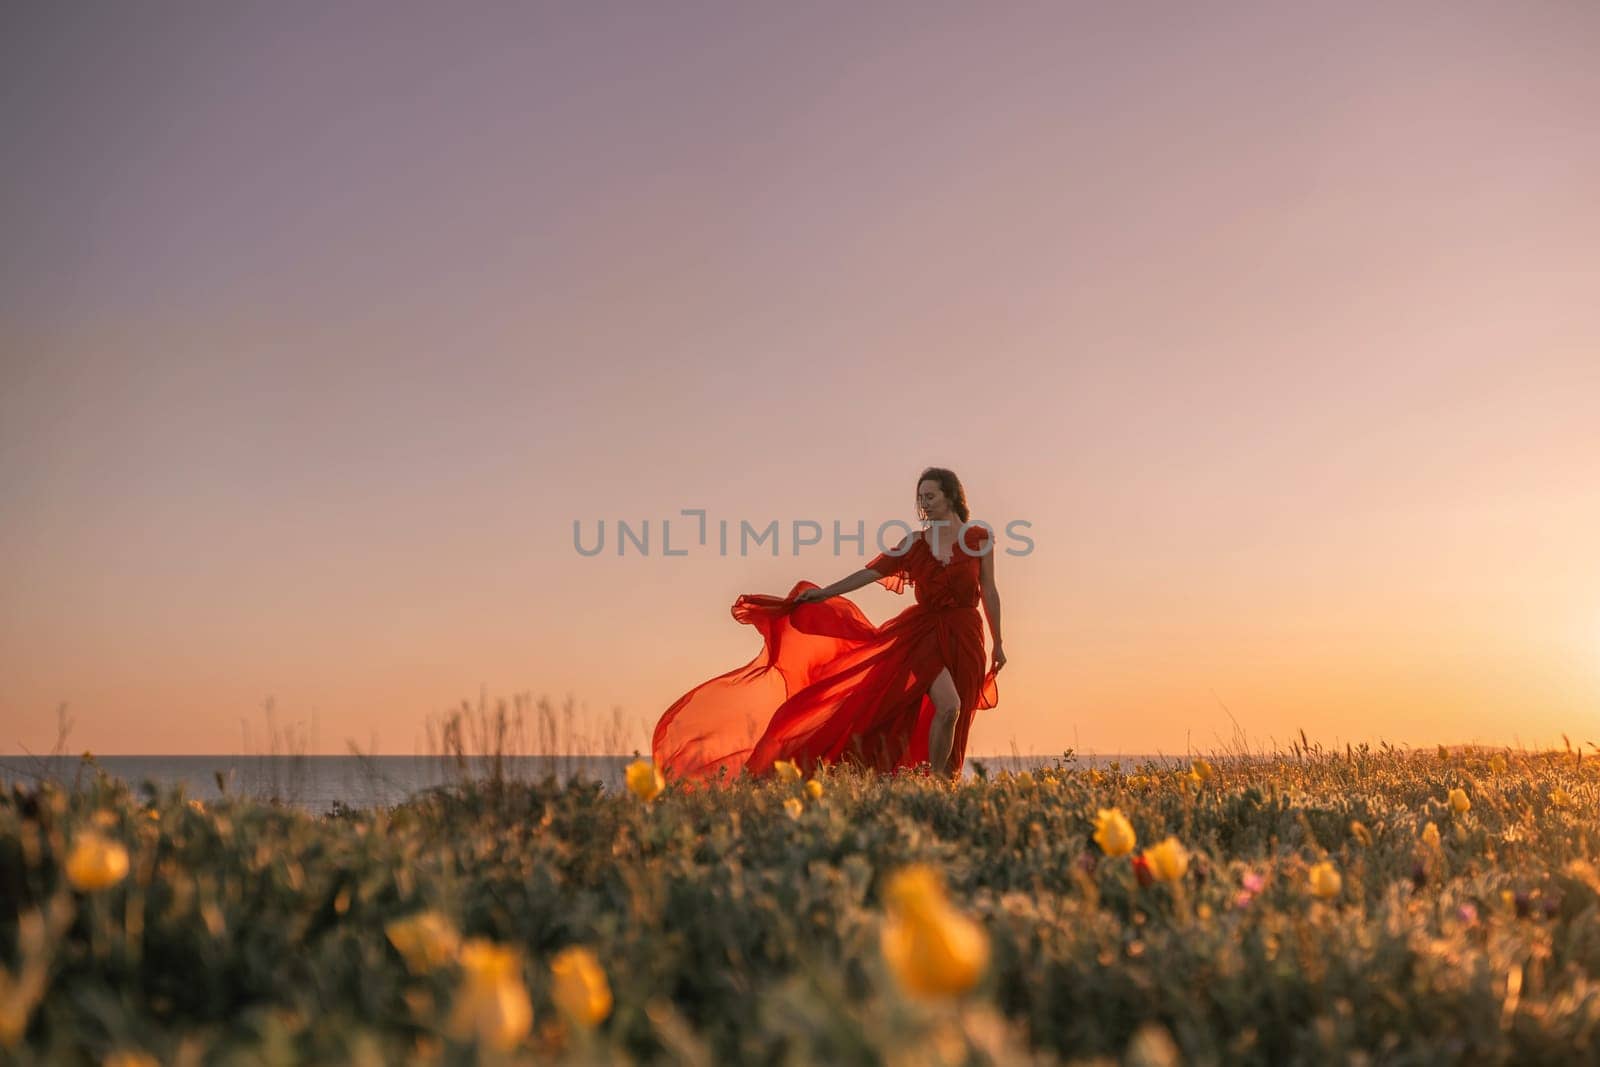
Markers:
(1277, 323)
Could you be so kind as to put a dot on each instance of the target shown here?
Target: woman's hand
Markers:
(999, 657)
(810, 596)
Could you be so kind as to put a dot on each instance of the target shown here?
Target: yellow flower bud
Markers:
(1325, 880)
(931, 948)
(96, 862)
(644, 780)
(1497, 764)
(1113, 832)
(814, 789)
(793, 808)
(786, 771)
(491, 1004)
(1459, 802)
(580, 990)
(484, 960)
(1430, 835)
(426, 940)
(1167, 861)
(915, 888)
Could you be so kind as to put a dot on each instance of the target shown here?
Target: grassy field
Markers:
(1368, 906)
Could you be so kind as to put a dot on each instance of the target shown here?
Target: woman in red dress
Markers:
(829, 687)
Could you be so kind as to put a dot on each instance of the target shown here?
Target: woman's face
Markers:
(931, 498)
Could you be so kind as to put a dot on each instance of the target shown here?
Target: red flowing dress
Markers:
(829, 687)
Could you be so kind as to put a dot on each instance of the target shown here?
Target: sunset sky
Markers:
(321, 324)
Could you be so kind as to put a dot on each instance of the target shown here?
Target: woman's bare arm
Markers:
(864, 576)
(991, 595)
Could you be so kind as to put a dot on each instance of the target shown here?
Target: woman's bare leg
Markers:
(942, 731)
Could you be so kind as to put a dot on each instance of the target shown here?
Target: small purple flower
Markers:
(1253, 882)
(1468, 913)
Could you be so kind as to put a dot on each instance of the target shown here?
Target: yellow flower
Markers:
(1113, 832)
(814, 789)
(580, 989)
(1430, 835)
(1497, 764)
(932, 949)
(793, 807)
(484, 960)
(1167, 861)
(644, 780)
(1325, 880)
(1459, 803)
(426, 940)
(96, 862)
(1560, 798)
(1359, 831)
(491, 1003)
(786, 771)
(1025, 779)
(1203, 770)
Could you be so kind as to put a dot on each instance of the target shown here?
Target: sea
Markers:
(322, 784)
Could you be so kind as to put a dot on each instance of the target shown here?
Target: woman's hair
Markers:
(950, 485)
